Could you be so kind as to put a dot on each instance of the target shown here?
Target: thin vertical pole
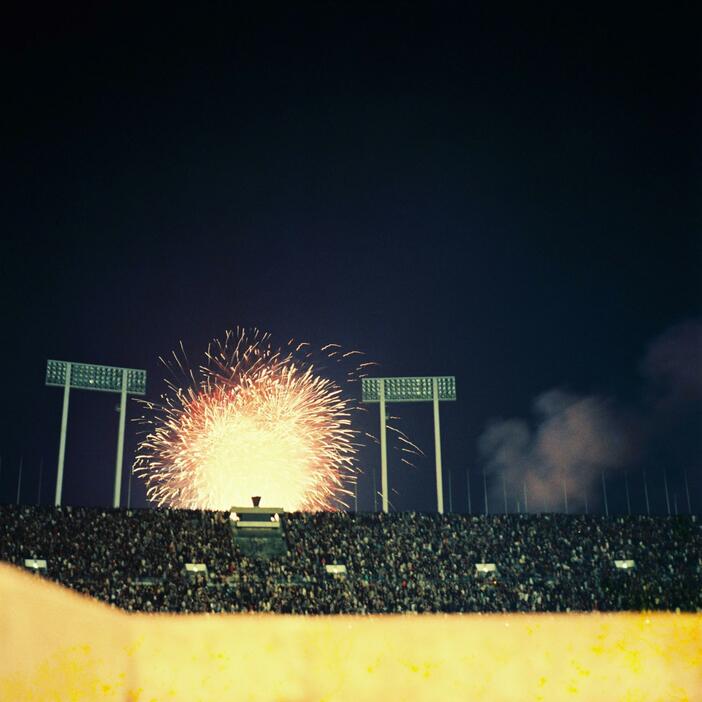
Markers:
(41, 471)
(626, 487)
(519, 508)
(62, 441)
(129, 488)
(450, 493)
(120, 442)
(19, 478)
(383, 447)
(437, 448)
(375, 492)
(665, 485)
(648, 505)
(675, 503)
(355, 495)
(604, 492)
(526, 501)
(587, 507)
(504, 492)
(470, 510)
(687, 491)
(485, 491)
(565, 493)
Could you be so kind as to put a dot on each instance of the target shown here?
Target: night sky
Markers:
(513, 199)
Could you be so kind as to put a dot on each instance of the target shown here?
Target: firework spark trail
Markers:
(260, 421)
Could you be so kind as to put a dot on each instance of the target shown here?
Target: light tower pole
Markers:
(88, 376)
(383, 446)
(414, 389)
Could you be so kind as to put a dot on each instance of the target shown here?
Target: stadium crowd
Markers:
(398, 562)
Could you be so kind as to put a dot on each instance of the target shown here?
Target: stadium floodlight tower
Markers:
(88, 376)
(415, 389)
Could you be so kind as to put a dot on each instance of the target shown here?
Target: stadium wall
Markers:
(58, 645)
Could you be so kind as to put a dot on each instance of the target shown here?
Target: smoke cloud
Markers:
(673, 367)
(571, 439)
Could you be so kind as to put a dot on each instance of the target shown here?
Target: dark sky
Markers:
(513, 199)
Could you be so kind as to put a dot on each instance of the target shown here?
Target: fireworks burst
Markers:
(260, 420)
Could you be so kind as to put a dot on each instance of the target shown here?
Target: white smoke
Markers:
(673, 366)
(571, 439)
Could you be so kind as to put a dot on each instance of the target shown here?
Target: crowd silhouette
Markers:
(397, 562)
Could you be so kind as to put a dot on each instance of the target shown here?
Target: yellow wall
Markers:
(56, 645)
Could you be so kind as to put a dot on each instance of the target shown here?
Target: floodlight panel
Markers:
(89, 376)
(136, 381)
(447, 387)
(56, 372)
(370, 390)
(409, 389)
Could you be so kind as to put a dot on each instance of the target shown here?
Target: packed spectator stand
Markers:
(397, 562)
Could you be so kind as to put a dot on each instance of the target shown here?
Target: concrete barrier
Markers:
(57, 645)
